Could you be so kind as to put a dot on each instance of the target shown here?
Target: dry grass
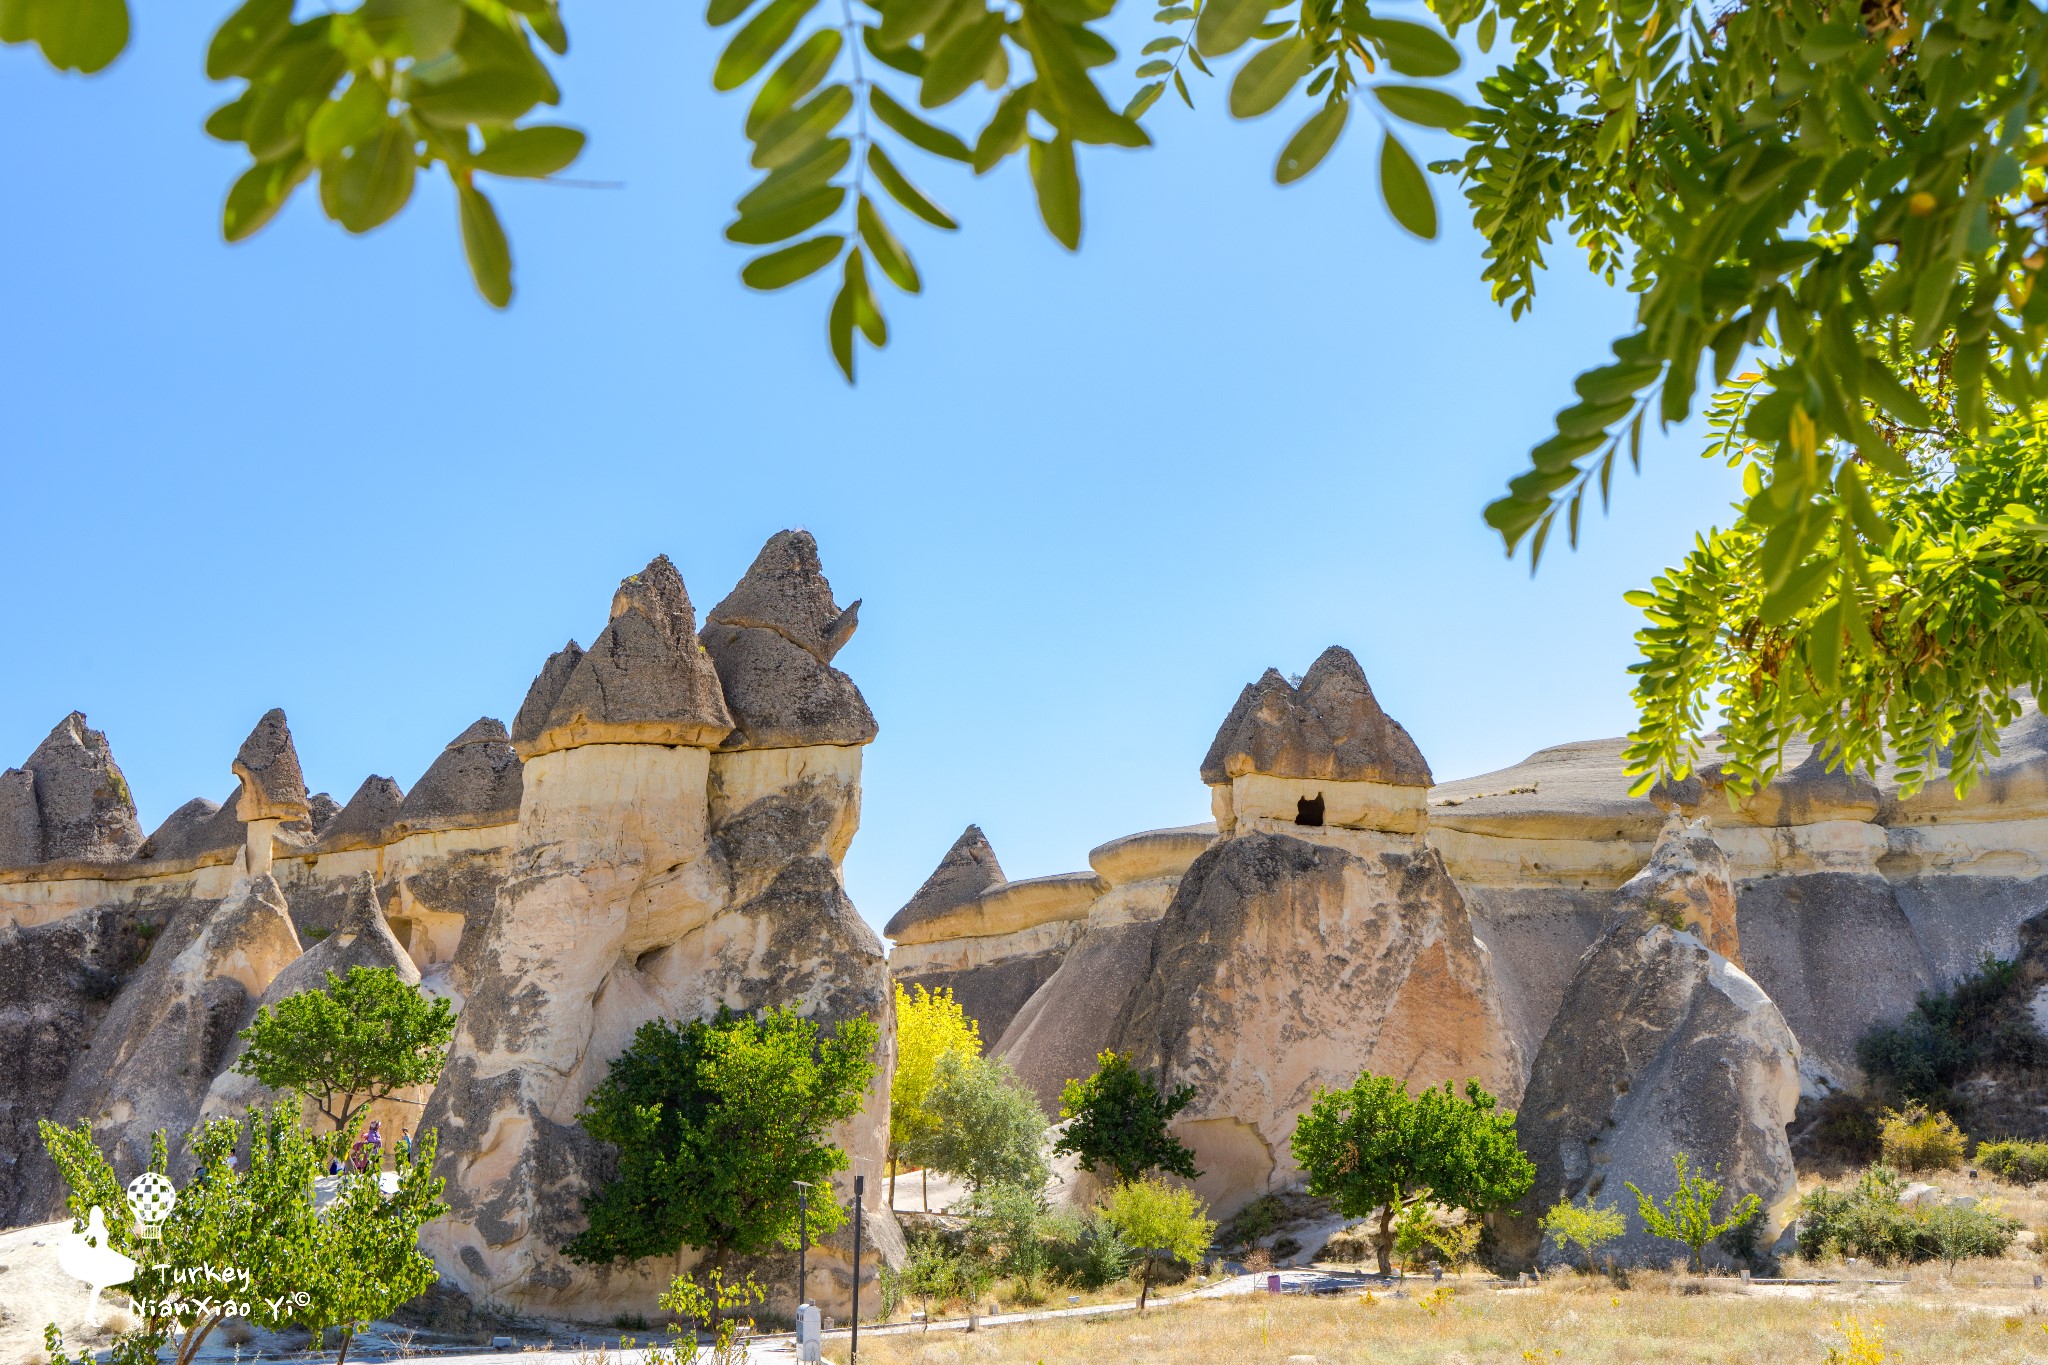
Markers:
(1659, 1320)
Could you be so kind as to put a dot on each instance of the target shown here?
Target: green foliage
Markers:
(363, 1038)
(1422, 1236)
(1117, 1120)
(356, 1260)
(987, 1127)
(1951, 1034)
(1372, 1147)
(713, 1306)
(1163, 1222)
(2018, 1163)
(929, 1025)
(714, 1120)
(1255, 1220)
(1919, 1139)
(1090, 1253)
(1869, 1222)
(1011, 1230)
(936, 1273)
(1687, 1214)
(1586, 1226)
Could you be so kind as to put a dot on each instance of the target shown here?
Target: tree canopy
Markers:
(715, 1120)
(1117, 1118)
(986, 1126)
(1373, 1146)
(1831, 216)
(929, 1025)
(365, 1037)
(1163, 1221)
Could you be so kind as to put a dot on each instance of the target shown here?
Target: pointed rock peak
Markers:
(21, 825)
(361, 911)
(968, 869)
(485, 731)
(657, 593)
(1686, 886)
(1329, 726)
(324, 808)
(81, 807)
(545, 692)
(785, 591)
(367, 817)
(273, 787)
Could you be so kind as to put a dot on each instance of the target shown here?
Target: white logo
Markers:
(87, 1256)
(152, 1197)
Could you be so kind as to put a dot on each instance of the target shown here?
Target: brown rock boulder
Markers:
(474, 781)
(273, 786)
(68, 802)
(1686, 885)
(367, 819)
(773, 639)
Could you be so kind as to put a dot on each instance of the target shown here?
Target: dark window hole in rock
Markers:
(1309, 811)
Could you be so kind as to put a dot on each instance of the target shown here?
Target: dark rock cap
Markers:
(785, 591)
(324, 808)
(475, 780)
(366, 819)
(21, 825)
(195, 829)
(273, 787)
(644, 680)
(968, 869)
(76, 800)
(546, 690)
(1330, 727)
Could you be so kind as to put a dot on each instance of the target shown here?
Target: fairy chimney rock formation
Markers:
(968, 869)
(366, 820)
(644, 679)
(1686, 885)
(67, 803)
(1320, 753)
(1662, 1046)
(476, 780)
(273, 789)
(773, 639)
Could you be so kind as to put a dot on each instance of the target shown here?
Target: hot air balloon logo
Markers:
(152, 1198)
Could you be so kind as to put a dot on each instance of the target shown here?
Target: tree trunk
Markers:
(1384, 1245)
(1144, 1284)
(348, 1339)
(893, 1163)
(194, 1339)
(926, 1177)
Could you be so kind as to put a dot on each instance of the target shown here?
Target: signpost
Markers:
(860, 1189)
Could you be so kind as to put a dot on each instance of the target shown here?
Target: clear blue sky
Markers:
(1084, 498)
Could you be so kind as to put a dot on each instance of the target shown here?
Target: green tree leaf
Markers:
(483, 242)
(1406, 191)
(534, 152)
(888, 252)
(781, 269)
(790, 135)
(798, 75)
(915, 130)
(794, 179)
(245, 36)
(959, 60)
(783, 221)
(1423, 104)
(1059, 189)
(1268, 76)
(260, 192)
(759, 39)
(358, 113)
(370, 184)
(1224, 26)
(1004, 132)
(903, 192)
(1412, 49)
(1311, 142)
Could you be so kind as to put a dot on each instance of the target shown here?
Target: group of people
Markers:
(368, 1153)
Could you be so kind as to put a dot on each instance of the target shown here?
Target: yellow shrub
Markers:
(1918, 1139)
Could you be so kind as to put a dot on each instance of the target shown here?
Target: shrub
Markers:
(1869, 1222)
(1687, 1213)
(1919, 1139)
(2018, 1163)
(1164, 1222)
(1586, 1226)
(1951, 1033)
(1089, 1253)
(1255, 1220)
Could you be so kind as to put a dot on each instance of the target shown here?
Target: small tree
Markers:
(1687, 1216)
(712, 1306)
(362, 1039)
(365, 1258)
(1117, 1118)
(714, 1120)
(929, 1025)
(1163, 1222)
(985, 1128)
(1373, 1147)
(1586, 1226)
(1010, 1229)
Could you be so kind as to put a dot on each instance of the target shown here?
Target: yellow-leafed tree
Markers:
(929, 1024)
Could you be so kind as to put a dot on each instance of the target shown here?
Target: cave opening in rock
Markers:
(1309, 810)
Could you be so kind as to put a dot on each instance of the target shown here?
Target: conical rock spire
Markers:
(1329, 727)
(968, 869)
(273, 786)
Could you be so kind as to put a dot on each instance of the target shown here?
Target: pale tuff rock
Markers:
(1152, 856)
(1329, 727)
(1057, 1032)
(968, 869)
(366, 820)
(156, 1052)
(1661, 1046)
(1686, 885)
(273, 787)
(475, 781)
(362, 939)
(785, 591)
(1283, 966)
(773, 639)
(644, 680)
(68, 802)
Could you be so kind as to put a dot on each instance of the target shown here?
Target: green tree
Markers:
(1586, 1226)
(929, 1025)
(1117, 1119)
(1687, 1213)
(986, 1127)
(1163, 1222)
(255, 1216)
(1010, 1229)
(714, 1121)
(1373, 1147)
(365, 1037)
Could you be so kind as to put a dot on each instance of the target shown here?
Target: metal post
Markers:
(860, 1189)
(803, 1241)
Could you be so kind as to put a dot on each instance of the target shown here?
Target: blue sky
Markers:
(1084, 498)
